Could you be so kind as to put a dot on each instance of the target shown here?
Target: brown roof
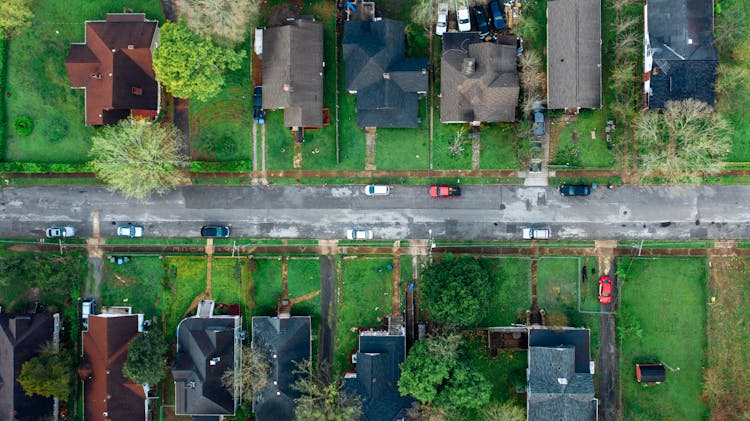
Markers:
(108, 394)
(114, 66)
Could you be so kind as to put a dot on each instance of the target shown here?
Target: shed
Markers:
(650, 373)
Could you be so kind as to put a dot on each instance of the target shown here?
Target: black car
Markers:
(498, 16)
(215, 231)
(258, 114)
(575, 190)
(480, 15)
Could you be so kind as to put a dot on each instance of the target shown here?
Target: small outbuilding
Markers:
(650, 373)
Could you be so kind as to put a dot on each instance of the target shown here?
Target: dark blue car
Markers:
(575, 190)
(480, 15)
(498, 17)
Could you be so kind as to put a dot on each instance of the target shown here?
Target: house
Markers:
(21, 337)
(378, 358)
(574, 54)
(293, 72)
(560, 383)
(479, 80)
(207, 346)
(680, 58)
(107, 393)
(387, 83)
(286, 341)
(113, 65)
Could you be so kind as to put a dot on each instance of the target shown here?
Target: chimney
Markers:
(469, 66)
(386, 75)
(562, 380)
(131, 46)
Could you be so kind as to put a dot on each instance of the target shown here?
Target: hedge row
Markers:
(42, 167)
(3, 56)
(220, 166)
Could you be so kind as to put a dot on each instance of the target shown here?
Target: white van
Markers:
(530, 233)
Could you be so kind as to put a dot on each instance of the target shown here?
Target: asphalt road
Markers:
(482, 212)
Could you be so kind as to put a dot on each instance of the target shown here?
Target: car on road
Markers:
(215, 231)
(88, 307)
(575, 189)
(480, 15)
(60, 232)
(130, 230)
(605, 289)
(539, 128)
(444, 191)
(359, 234)
(442, 19)
(464, 21)
(498, 16)
(377, 190)
(530, 233)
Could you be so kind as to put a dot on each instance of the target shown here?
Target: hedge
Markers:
(3, 54)
(221, 166)
(42, 167)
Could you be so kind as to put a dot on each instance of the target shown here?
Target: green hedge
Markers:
(220, 166)
(3, 54)
(42, 167)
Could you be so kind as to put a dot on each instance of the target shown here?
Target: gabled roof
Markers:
(21, 338)
(206, 348)
(114, 66)
(574, 55)
(386, 82)
(108, 394)
(479, 80)
(293, 72)
(286, 342)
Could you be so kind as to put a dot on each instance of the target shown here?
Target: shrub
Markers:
(23, 125)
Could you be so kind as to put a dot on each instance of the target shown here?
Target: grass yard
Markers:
(511, 290)
(576, 134)
(38, 86)
(405, 149)
(443, 158)
(663, 318)
(187, 280)
(138, 283)
(506, 372)
(266, 281)
(498, 147)
(303, 279)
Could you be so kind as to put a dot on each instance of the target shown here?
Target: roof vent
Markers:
(215, 360)
(386, 75)
(131, 46)
(690, 41)
(424, 70)
(562, 380)
(469, 66)
(96, 75)
(191, 384)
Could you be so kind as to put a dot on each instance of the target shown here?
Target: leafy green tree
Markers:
(503, 412)
(190, 66)
(138, 157)
(15, 15)
(456, 290)
(465, 388)
(321, 399)
(224, 21)
(49, 374)
(147, 358)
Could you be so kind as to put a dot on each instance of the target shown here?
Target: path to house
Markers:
(396, 293)
(95, 257)
(371, 135)
(475, 149)
(328, 278)
(297, 162)
(418, 252)
(264, 176)
(608, 403)
(209, 264)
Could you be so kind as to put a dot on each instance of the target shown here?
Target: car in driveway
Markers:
(480, 15)
(377, 190)
(442, 19)
(539, 128)
(359, 234)
(132, 231)
(215, 231)
(444, 191)
(259, 116)
(464, 21)
(60, 232)
(498, 15)
(575, 189)
(605, 289)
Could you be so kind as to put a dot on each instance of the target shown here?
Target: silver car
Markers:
(57, 232)
(359, 234)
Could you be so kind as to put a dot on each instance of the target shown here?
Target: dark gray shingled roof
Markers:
(206, 348)
(574, 55)
(488, 94)
(680, 36)
(293, 72)
(386, 82)
(289, 340)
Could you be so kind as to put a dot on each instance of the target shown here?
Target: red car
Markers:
(445, 191)
(605, 289)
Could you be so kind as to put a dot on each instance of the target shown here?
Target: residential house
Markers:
(560, 383)
(107, 393)
(574, 54)
(21, 339)
(285, 341)
(387, 83)
(680, 58)
(208, 345)
(479, 80)
(114, 67)
(293, 72)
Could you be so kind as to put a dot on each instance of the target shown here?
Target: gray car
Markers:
(60, 232)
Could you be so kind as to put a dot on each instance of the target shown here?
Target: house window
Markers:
(136, 91)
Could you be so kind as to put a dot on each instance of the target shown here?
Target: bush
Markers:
(56, 129)
(219, 166)
(23, 125)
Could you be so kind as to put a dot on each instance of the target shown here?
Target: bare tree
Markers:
(503, 412)
(531, 77)
(322, 399)
(457, 145)
(252, 374)
(224, 21)
(423, 13)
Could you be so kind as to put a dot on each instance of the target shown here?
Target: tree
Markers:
(15, 15)
(48, 374)
(424, 12)
(466, 388)
(252, 374)
(224, 21)
(190, 66)
(685, 141)
(321, 399)
(456, 290)
(503, 412)
(147, 356)
(138, 157)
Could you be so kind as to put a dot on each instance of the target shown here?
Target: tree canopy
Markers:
(190, 66)
(506, 411)
(15, 15)
(49, 374)
(252, 373)
(321, 399)
(52, 274)
(455, 290)
(147, 356)
(224, 21)
(138, 157)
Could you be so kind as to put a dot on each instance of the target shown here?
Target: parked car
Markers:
(57, 232)
(529, 233)
(215, 231)
(130, 230)
(498, 15)
(377, 190)
(445, 191)
(575, 189)
(480, 15)
(442, 19)
(539, 128)
(259, 116)
(605, 289)
(359, 234)
(88, 307)
(464, 21)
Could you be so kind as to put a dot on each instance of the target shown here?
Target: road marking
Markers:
(95, 222)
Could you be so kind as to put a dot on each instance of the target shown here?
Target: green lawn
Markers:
(498, 147)
(511, 290)
(187, 280)
(266, 280)
(506, 372)
(137, 283)
(667, 299)
(443, 158)
(405, 149)
(303, 277)
(577, 135)
(38, 85)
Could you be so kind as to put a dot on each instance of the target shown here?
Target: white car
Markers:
(442, 19)
(132, 231)
(359, 234)
(464, 21)
(377, 190)
(56, 232)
